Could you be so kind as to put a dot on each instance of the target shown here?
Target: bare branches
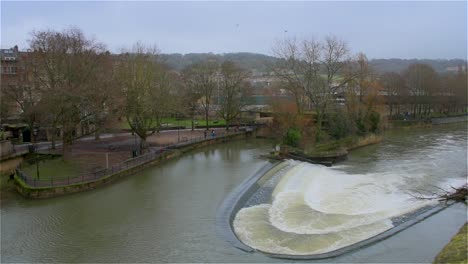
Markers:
(233, 90)
(202, 79)
(459, 194)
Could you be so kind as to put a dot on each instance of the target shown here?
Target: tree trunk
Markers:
(97, 134)
(206, 119)
(391, 111)
(318, 133)
(53, 140)
(143, 144)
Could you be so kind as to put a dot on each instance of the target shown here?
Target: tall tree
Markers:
(423, 82)
(165, 94)
(311, 70)
(233, 88)
(136, 74)
(202, 80)
(189, 96)
(104, 97)
(66, 61)
(395, 91)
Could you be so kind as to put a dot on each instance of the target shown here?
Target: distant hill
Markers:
(260, 62)
(398, 65)
(248, 61)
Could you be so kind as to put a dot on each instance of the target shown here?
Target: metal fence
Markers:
(153, 154)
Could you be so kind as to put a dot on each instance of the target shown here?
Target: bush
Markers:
(339, 125)
(292, 138)
(374, 122)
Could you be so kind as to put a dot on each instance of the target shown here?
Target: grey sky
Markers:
(379, 29)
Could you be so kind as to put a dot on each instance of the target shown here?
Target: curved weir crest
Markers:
(307, 209)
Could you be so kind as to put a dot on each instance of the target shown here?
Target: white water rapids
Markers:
(314, 209)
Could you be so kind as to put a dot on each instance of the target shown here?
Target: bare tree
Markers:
(66, 61)
(290, 69)
(104, 96)
(460, 89)
(165, 96)
(201, 79)
(311, 69)
(189, 99)
(137, 75)
(422, 81)
(395, 90)
(233, 88)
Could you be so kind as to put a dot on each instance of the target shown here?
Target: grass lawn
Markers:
(52, 168)
(455, 251)
(183, 122)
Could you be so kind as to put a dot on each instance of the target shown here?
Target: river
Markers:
(167, 213)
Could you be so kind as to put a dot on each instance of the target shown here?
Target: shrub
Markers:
(339, 125)
(292, 138)
(374, 122)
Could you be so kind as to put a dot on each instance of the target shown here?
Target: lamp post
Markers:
(35, 151)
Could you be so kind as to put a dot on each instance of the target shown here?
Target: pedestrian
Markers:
(205, 133)
(212, 133)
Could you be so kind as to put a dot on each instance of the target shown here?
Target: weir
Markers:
(297, 210)
(169, 210)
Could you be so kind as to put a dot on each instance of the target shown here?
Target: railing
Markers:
(154, 154)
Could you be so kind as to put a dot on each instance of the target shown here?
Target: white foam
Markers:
(254, 229)
(316, 209)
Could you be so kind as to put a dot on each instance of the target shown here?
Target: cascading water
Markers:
(312, 209)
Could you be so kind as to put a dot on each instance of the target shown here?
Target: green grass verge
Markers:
(456, 250)
(51, 169)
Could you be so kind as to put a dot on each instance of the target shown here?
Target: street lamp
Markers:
(35, 130)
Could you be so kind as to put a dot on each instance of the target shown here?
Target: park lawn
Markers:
(173, 122)
(55, 168)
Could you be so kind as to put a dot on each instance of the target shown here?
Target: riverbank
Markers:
(167, 212)
(327, 153)
(395, 124)
(30, 189)
(456, 250)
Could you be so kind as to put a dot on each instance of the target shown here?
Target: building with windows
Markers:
(9, 62)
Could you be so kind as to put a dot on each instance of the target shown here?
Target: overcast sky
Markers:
(379, 29)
